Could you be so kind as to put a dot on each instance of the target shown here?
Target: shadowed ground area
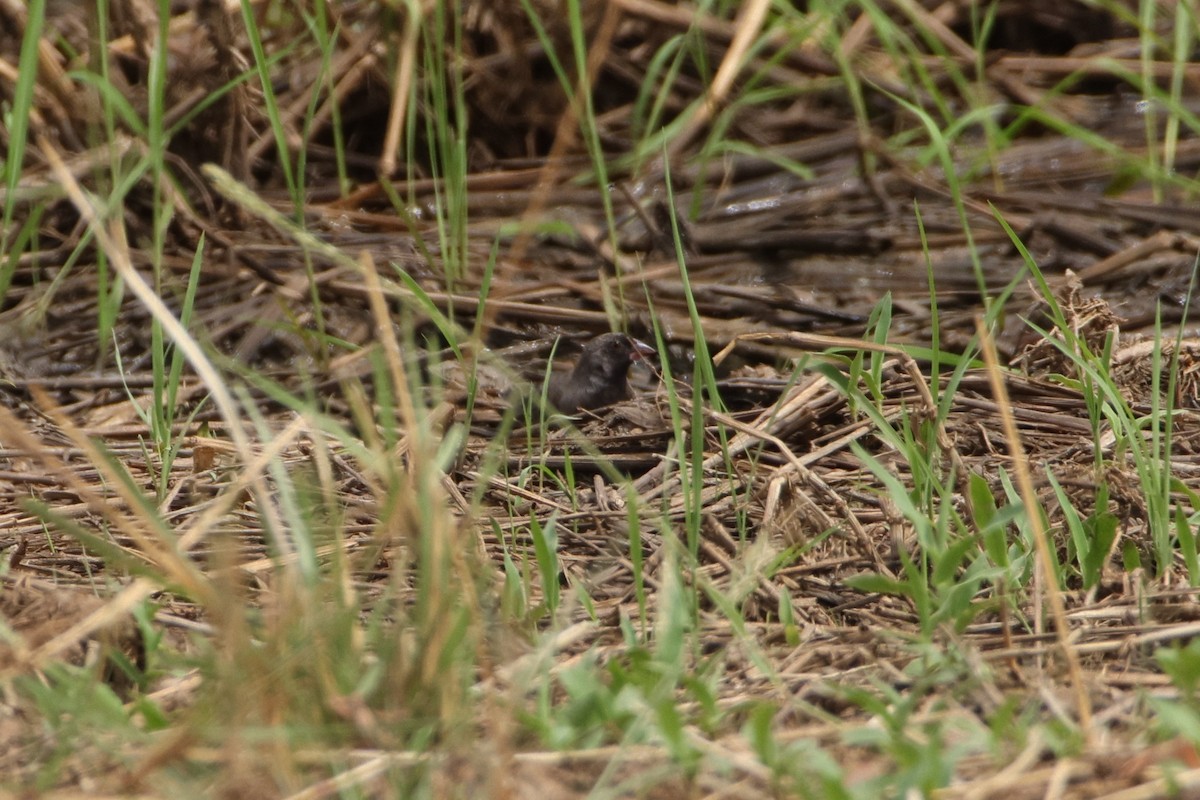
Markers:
(904, 504)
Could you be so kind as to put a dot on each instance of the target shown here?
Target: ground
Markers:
(905, 505)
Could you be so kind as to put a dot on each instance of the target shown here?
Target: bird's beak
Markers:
(641, 349)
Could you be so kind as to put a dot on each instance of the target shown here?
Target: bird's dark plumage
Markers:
(600, 377)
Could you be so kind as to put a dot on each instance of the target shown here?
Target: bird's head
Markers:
(609, 356)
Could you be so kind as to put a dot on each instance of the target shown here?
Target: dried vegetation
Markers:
(784, 524)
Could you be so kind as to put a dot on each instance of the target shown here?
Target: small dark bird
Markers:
(600, 377)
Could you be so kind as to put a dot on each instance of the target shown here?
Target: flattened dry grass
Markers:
(274, 526)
